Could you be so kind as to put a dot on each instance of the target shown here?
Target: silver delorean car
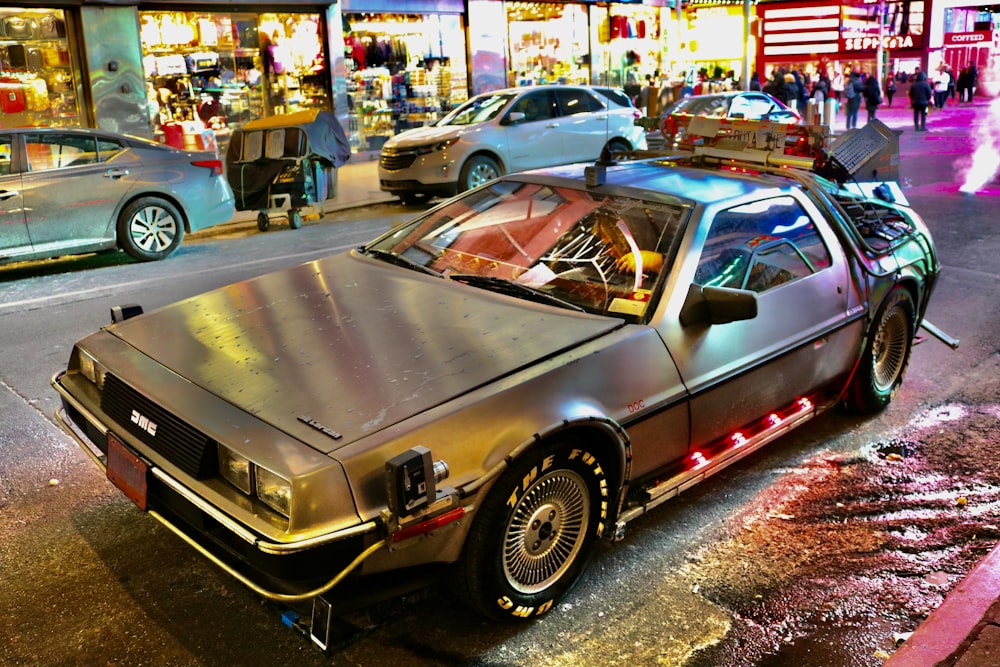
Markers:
(516, 373)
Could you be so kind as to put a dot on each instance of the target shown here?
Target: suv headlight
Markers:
(271, 489)
(439, 146)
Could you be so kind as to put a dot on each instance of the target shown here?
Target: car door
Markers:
(72, 186)
(584, 123)
(534, 140)
(14, 237)
(806, 331)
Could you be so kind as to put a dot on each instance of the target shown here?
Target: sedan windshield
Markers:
(583, 250)
(478, 110)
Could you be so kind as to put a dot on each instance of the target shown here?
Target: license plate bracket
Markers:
(127, 471)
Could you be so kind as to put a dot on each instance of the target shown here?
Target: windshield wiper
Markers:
(399, 260)
(511, 288)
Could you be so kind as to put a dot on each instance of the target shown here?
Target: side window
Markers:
(741, 108)
(759, 107)
(5, 154)
(58, 151)
(577, 101)
(107, 148)
(535, 106)
(761, 245)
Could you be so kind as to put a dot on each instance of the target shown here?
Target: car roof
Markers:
(699, 185)
(549, 86)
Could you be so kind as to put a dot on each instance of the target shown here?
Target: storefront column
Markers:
(114, 63)
(337, 66)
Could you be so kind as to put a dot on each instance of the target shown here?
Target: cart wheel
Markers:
(295, 218)
(263, 221)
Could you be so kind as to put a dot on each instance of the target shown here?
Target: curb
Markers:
(956, 624)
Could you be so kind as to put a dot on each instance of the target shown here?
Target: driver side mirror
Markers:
(717, 305)
(515, 117)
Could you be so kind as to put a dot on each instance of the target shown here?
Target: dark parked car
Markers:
(731, 105)
(486, 390)
(69, 191)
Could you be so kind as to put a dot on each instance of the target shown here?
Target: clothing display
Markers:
(404, 71)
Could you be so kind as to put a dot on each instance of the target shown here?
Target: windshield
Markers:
(477, 110)
(592, 252)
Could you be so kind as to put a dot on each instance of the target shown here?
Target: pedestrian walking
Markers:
(873, 97)
(973, 80)
(852, 93)
(920, 94)
(890, 89)
(941, 88)
(837, 85)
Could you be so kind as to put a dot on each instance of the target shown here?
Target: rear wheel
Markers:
(295, 218)
(263, 221)
(532, 535)
(618, 146)
(886, 354)
(478, 170)
(150, 228)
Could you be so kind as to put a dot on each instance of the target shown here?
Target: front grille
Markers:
(180, 443)
(394, 162)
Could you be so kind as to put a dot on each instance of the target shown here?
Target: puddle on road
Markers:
(842, 554)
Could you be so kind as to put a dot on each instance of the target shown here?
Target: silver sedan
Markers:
(67, 191)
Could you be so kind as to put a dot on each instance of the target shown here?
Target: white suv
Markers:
(506, 131)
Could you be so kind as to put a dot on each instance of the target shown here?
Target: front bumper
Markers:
(280, 571)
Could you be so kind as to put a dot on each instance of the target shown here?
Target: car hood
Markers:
(339, 348)
(422, 136)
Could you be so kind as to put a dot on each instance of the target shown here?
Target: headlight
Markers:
(271, 489)
(439, 146)
(274, 491)
(235, 469)
(91, 369)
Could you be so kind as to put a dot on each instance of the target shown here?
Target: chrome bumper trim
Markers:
(265, 546)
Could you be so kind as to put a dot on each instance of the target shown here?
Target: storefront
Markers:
(40, 76)
(824, 37)
(218, 70)
(718, 44)
(969, 35)
(404, 70)
(627, 44)
(549, 43)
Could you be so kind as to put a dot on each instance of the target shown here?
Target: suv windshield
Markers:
(477, 110)
(593, 252)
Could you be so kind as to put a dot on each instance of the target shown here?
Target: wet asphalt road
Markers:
(816, 551)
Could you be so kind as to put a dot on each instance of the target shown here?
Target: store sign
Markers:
(870, 42)
(968, 38)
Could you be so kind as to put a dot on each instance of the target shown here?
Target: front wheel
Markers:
(150, 228)
(263, 221)
(886, 355)
(295, 219)
(478, 170)
(532, 535)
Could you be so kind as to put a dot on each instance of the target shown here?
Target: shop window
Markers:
(37, 74)
(220, 70)
(404, 71)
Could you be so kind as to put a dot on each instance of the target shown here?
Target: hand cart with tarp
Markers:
(283, 164)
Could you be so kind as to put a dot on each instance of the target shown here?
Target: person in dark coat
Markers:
(873, 96)
(921, 95)
(853, 91)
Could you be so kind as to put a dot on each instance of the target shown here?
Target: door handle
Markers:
(116, 173)
(7, 194)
